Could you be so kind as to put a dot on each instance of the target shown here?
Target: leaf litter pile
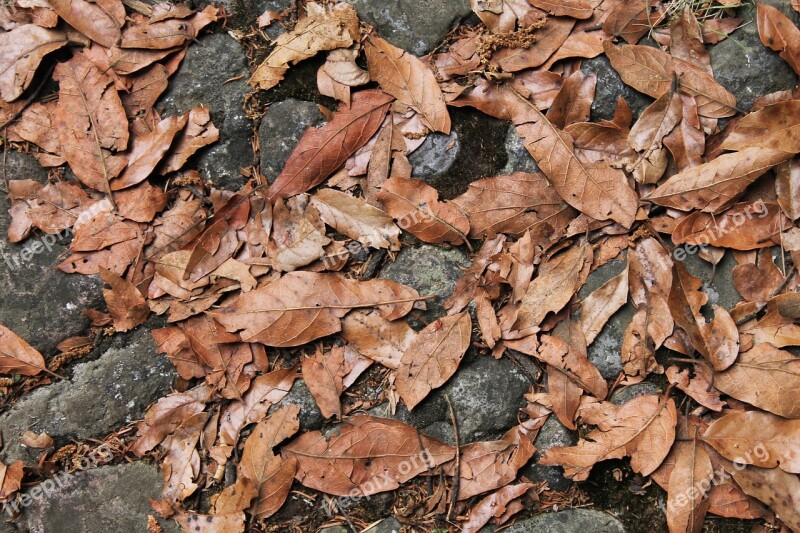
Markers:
(264, 285)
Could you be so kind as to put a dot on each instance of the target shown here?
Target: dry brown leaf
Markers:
(10, 478)
(17, 356)
(124, 301)
(775, 126)
(573, 103)
(199, 132)
(646, 136)
(779, 33)
(379, 339)
(409, 80)
(321, 29)
(356, 219)
(699, 388)
(548, 38)
(159, 35)
(91, 122)
(652, 71)
(100, 21)
(206, 523)
(506, 204)
(787, 186)
(493, 506)
(166, 415)
(323, 373)
(298, 235)
(643, 428)
(416, 207)
(368, 455)
(601, 305)
(433, 357)
(745, 226)
(39, 441)
(502, 16)
(147, 151)
(21, 51)
(579, 9)
(631, 19)
(686, 500)
(322, 151)
(779, 490)
(181, 464)
(303, 306)
(757, 438)
(271, 475)
(754, 376)
(715, 185)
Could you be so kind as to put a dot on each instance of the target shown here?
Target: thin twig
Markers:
(457, 472)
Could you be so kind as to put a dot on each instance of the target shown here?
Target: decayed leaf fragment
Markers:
(433, 357)
(21, 51)
(368, 455)
(125, 303)
(321, 29)
(17, 356)
(322, 151)
(409, 80)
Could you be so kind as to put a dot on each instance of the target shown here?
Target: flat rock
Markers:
(109, 498)
(486, 394)
(626, 394)
(414, 25)
(435, 155)
(519, 159)
(102, 395)
(569, 521)
(553, 433)
(281, 129)
(47, 304)
(201, 80)
(747, 68)
(19, 166)
(429, 269)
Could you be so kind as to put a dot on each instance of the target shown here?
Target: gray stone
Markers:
(19, 166)
(388, 525)
(716, 280)
(281, 130)
(626, 394)
(569, 521)
(335, 529)
(430, 270)
(47, 304)
(609, 87)
(747, 68)
(102, 395)
(201, 80)
(435, 155)
(414, 25)
(486, 394)
(519, 159)
(605, 351)
(310, 416)
(109, 498)
(553, 433)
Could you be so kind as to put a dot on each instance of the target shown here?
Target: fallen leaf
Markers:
(181, 464)
(167, 415)
(147, 151)
(779, 490)
(433, 357)
(17, 356)
(10, 479)
(158, 35)
(357, 219)
(368, 455)
(379, 339)
(124, 301)
(779, 33)
(199, 132)
(775, 126)
(493, 506)
(21, 51)
(100, 21)
(686, 499)
(697, 387)
(601, 305)
(321, 151)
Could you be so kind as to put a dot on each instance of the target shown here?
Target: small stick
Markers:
(457, 473)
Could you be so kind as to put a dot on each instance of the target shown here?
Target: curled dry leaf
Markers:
(416, 207)
(715, 185)
(578, 9)
(17, 356)
(433, 357)
(199, 132)
(99, 21)
(409, 80)
(321, 29)
(379, 339)
(757, 438)
(745, 226)
(357, 219)
(10, 478)
(505, 204)
(643, 428)
(147, 152)
(303, 306)
(698, 387)
(787, 186)
(646, 137)
(368, 455)
(181, 465)
(39, 441)
(632, 19)
(493, 506)
(601, 305)
(125, 303)
(753, 377)
(21, 51)
(321, 151)
(166, 415)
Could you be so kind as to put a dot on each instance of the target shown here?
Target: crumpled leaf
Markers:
(126, 304)
(166, 415)
(357, 219)
(147, 151)
(493, 506)
(321, 29)
(365, 457)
